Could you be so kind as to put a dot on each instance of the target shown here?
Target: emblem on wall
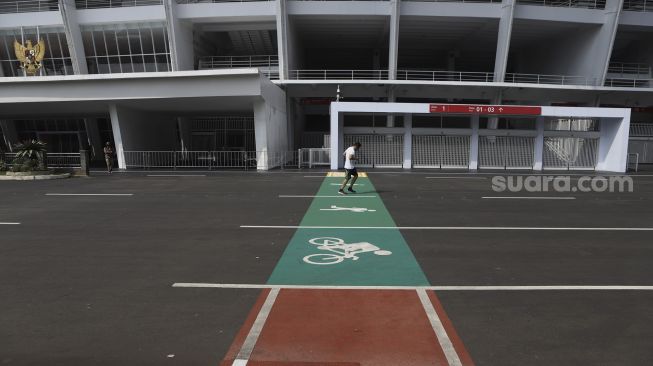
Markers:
(30, 56)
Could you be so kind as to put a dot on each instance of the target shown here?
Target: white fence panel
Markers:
(570, 153)
(380, 151)
(438, 151)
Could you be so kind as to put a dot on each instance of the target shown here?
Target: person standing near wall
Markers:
(108, 156)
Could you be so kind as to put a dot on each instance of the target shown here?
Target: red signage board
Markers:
(485, 109)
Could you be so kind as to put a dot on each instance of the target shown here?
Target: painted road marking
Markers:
(176, 175)
(336, 196)
(342, 174)
(483, 178)
(448, 228)
(340, 251)
(89, 194)
(9, 223)
(248, 346)
(433, 288)
(315, 176)
(529, 198)
(351, 209)
(443, 338)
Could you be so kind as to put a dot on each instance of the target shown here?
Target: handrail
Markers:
(548, 79)
(641, 129)
(628, 83)
(630, 68)
(469, 76)
(28, 6)
(216, 1)
(588, 4)
(98, 4)
(638, 5)
(216, 62)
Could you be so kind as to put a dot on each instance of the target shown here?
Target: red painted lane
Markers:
(349, 327)
(237, 344)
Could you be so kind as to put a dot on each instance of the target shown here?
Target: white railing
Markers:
(641, 129)
(445, 75)
(626, 68)
(97, 4)
(548, 79)
(210, 159)
(338, 74)
(628, 83)
(311, 157)
(26, 6)
(219, 62)
(638, 5)
(54, 160)
(216, 1)
(632, 162)
(589, 4)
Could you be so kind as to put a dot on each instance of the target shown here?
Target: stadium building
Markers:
(512, 84)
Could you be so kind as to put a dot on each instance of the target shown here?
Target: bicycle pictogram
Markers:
(340, 250)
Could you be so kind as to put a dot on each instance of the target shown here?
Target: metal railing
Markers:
(632, 162)
(469, 76)
(626, 68)
(26, 6)
(628, 83)
(638, 5)
(456, 1)
(219, 62)
(53, 160)
(98, 4)
(548, 79)
(338, 74)
(211, 159)
(216, 1)
(641, 129)
(311, 157)
(588, 4)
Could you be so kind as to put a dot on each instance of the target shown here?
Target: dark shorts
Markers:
(350, 172)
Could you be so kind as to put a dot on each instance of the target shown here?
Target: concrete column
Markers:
(282, 39)
(394, 39)
(606, 37)
(473, 144)
(337, 138)
(503, 40)
(180, 39)
(94, 138)
(73, 36)
(10, 134)
(408, 141)
(117, 136)
(184, 128)
(538, 154)
(391, 99)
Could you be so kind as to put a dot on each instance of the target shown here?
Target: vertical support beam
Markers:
(117, 136)
(73, 36)
(9, 132)
(261, 115)
(473, 144)
(606, 39)
(180, 39)
(408, 141)
(94, 138)
(183, 125)
(503, 40)
(337, 136)
(282, 39)
(393, 53)
(538, 153)
(613, 144)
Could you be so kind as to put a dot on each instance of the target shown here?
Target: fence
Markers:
(53, 160)
(629, 68)
(26, 6)
(628, 83)
(589, 4)
(633, 162)
(638, 5)
(641, 129)
(211, 159)
(445, 75)
(98, 4)
(311, 157)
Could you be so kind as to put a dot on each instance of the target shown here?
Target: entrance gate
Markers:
(506, 152)
(379, 151)
(441, 151)
(563, 153)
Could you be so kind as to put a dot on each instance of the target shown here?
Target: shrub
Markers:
(30, 155)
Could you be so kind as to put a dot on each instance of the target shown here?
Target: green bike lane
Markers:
(349, 326)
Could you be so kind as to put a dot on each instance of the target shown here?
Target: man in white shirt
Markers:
(350, 168)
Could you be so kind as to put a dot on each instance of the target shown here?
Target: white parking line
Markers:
(440, 333)
(89, 194)
(314, 176)
(529, 198)
(356, 184)
(483, 178)
(176, 175)
(9, 223)
(450, 228)
(249, 343)
(337, 196)
(434, 288)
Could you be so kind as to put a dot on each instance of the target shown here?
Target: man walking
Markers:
(108, 156)
(350, 168)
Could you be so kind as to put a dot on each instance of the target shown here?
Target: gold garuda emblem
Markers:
(30, 56)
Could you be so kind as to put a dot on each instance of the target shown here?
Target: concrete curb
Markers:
(35, 177)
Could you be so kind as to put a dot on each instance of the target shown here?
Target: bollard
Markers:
(84, 162)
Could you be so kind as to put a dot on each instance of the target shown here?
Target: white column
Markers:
(503, 40)
(538, 154)
(473, 144)
(117, 136)
(180, 39)
(183, 125)
(408, 141)
(73, 36)
(606, 37)
(337, 137)
(394, 39)
(282, 39)
(9, 132)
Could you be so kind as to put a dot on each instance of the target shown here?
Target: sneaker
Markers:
(351, 190)
(340, 191)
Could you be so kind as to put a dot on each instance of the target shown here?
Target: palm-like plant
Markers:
(31, 153)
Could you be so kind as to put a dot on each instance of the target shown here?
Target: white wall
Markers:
(270, 124)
